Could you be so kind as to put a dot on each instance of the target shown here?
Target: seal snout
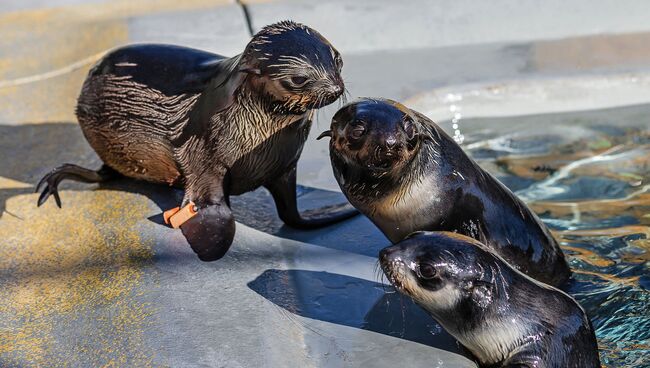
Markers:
(390, 142)
(336, 88)
(389, 254)
(389, 147)
(392, 263)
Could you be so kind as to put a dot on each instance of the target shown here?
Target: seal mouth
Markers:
(393, 273)
(328, 95)
(382, 165)
(327, 99)
(393, 267)
(383, 160)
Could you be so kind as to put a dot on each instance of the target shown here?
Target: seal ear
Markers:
(327, 133)
(221, 90)
(482, 293)
(254, 71)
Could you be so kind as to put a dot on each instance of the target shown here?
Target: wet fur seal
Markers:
(505, 318)
(213, 125)
(406, 174)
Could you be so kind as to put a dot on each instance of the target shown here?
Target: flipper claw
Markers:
(52, 180)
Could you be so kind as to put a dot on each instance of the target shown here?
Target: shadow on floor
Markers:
(368, 305)
(32, 150)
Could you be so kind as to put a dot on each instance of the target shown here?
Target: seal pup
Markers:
(505, 318)
(406, 174)
(213, 125)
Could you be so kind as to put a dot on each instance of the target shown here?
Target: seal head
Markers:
(442, 274)
(502, 316)
(374, 137)
(294, 67)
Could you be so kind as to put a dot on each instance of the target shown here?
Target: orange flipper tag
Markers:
(177, 216)
(169, 213)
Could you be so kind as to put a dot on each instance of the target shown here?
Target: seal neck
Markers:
(261, 113)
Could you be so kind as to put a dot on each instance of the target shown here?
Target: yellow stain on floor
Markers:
(37, 43)
(42, 48)
(6, 183)
(103, 10)
(593, 51)
(70, 281)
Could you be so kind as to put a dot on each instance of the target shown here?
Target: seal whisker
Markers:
(403, 311)
(293, 319)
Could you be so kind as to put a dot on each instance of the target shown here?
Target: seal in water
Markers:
(505, 318)
(213, 125)
(402, 171)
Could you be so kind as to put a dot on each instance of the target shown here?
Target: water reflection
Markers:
(593, 190)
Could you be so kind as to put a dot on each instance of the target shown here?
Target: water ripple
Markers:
(593, 190)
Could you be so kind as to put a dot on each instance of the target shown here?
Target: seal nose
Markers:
(391, 142)
(387, 254)
(337, 89)
(336, 85)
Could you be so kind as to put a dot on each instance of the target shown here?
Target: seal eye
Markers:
(409, 129)
(357, 131)
(425, 271)
(339, 62)
(298, 81)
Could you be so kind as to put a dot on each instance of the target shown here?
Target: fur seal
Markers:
(402, 171)
(213, 125)
(505, 318)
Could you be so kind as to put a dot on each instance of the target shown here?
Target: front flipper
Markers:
(283, 190)
(211, 231)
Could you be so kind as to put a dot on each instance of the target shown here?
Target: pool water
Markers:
(587, 174)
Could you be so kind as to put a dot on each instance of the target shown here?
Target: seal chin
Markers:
(379, 168)
(385, 162)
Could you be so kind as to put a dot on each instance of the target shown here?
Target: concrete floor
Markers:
(102, 283)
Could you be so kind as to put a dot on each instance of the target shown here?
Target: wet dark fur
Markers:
(157, 113)
(524, 322)
(461, 197)
(213, 125)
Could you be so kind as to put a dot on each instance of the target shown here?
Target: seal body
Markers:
(406, 174)
(134, 103)
(137, 115)
(213, 125)
(505, 318)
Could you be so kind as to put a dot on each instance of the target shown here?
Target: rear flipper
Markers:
(283, 191)
(72, 172)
